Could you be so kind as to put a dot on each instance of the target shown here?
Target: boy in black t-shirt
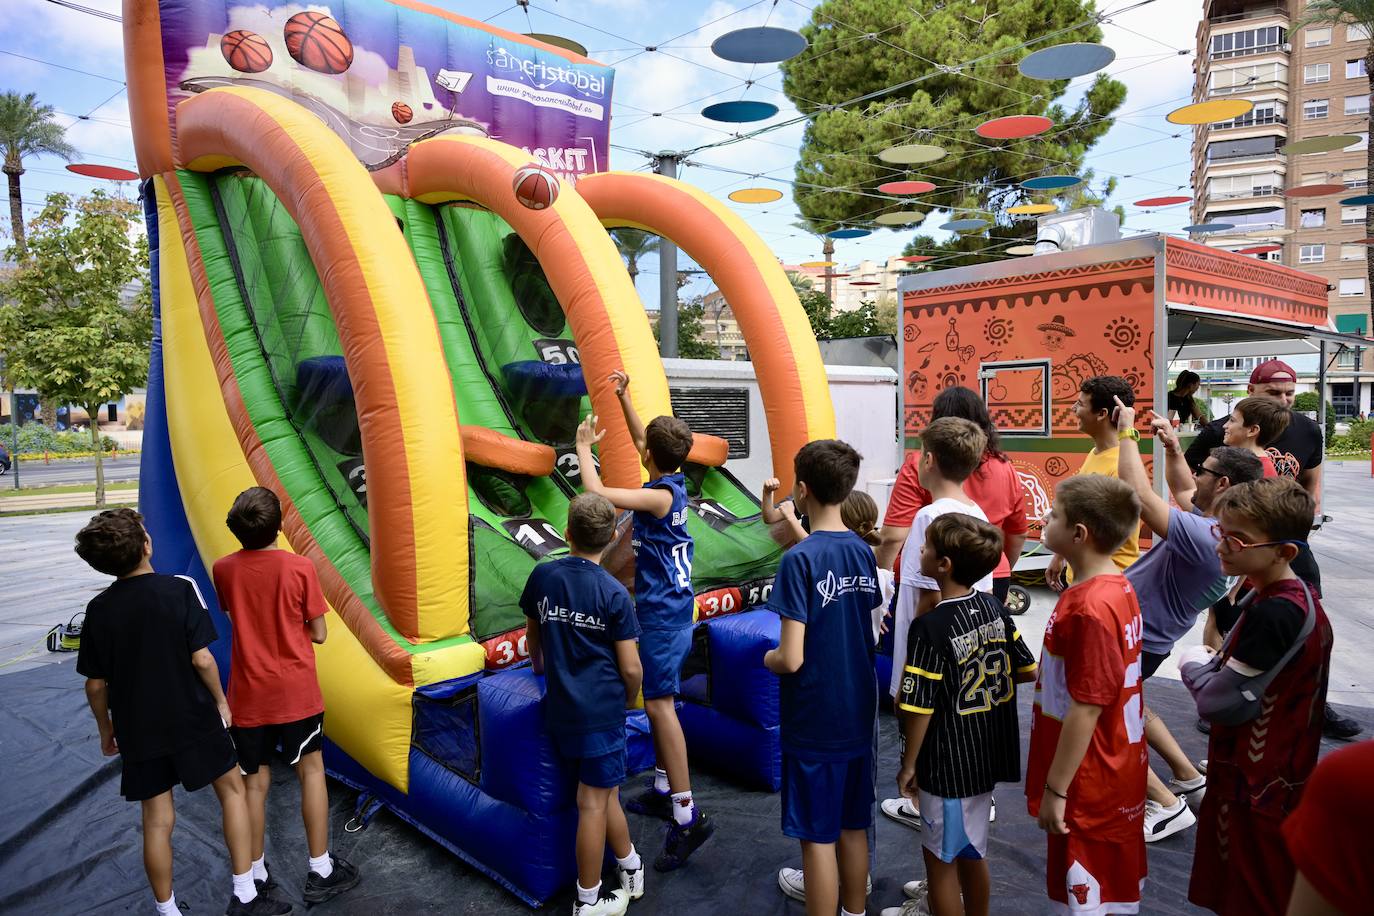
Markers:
(964, 659)
(154, 689)
(581, 631)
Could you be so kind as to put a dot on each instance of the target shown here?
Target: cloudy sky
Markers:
(74, 61)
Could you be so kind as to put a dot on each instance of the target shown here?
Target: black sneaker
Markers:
(344, 877)
(682, 841)
(264, 885)
(1339, 726)
(651, 803)
(261, 905)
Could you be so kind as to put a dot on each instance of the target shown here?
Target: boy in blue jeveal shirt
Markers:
(664, 604)
(581, 633)
(825, 591)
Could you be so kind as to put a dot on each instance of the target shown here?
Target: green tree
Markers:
(69, 330)
(692, 342)
(1359, 13)
(633, 245)
(961, 55)
(26, 129)
(815, 303)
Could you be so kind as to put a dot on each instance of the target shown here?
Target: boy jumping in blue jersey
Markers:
(825, 591)
(663, 602)
(581, 634)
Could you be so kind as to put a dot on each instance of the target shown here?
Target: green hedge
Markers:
(37, 439)
(1354, 441)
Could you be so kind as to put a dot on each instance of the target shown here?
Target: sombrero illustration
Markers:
(1057, 325)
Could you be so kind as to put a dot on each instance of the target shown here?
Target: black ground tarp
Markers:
(70, 845)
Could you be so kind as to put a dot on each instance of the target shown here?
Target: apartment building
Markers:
(1306, 84)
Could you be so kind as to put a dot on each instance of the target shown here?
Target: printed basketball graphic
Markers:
(535, 187)
(401, 112)
(316, 42)
(246, 52)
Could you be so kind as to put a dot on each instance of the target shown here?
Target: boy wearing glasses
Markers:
(1175, 580)
(1256, 771)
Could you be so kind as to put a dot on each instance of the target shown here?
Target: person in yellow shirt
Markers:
(1094, 410)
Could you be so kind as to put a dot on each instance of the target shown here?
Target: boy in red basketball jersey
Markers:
(1256, 770)
(273, 599)
(1086, 777)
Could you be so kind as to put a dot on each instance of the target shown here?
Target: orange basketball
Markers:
(535, 187)
(401, 112)
(316, 42)
(247, 52)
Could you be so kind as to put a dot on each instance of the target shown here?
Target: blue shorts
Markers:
(598, 758)
(822, 797)
(662, 654)
(955, 828)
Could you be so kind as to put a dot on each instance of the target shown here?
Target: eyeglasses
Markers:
(1233, 544)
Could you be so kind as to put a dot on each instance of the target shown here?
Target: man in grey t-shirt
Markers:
(1176, 579)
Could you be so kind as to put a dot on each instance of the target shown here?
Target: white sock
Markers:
(588, 894)
(260, 868)
(661, 781)
(167, 907)
(631, 862)
(244, 889)
(323, 865)
(683, 809)
(844, 912)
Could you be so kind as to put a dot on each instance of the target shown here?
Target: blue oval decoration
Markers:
(1209, 227)
(1051, 182)
(740, 111)
(964, 225)
(848, 233)
(1359, 200)
(759, 45)
(1064, 62)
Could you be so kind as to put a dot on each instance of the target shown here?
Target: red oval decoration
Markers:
(1368, 241)
(1314, 190)
(1013, 127)
(864, 283)
(1162, 201)
(905, 187)
(917, 258)
(108, 172)
(832, 276)
(1259, 249)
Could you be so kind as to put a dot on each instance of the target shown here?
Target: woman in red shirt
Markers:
(994, 487)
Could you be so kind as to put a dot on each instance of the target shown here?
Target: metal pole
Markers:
(14, 436)
(666, 164)
(1321, 390)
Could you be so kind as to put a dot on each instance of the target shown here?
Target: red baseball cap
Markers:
(1273, 370)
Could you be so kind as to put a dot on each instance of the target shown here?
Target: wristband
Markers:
(1050, 789)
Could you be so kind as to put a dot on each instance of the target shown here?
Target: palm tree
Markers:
(634, 244)
(1358, 13)
(26, 129)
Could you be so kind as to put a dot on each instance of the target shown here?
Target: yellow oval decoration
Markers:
(817, 263)
(899, 218)
(1031, 209)
(1210, 112)
(912, 154)
(755, 195)
(1020, 250)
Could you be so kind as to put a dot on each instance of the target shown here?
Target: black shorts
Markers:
(1001, 588)
(289, 741)
(1150, 662)
(195, 767)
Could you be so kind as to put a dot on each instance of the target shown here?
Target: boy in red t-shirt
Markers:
(273, 599)
(1256, 770)
(1086, 777)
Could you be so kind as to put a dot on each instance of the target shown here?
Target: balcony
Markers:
(1255, 86)
(1282, 48)
(1252, 120)
(1224, 12)
(1267, 191)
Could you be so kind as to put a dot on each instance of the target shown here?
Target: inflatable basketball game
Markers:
(384, 289)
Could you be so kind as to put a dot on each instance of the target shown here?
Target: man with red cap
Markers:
(1297, 454)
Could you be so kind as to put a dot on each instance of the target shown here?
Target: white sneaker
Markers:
(992, 811)
(1202, 766)
(916, 907)
(916, 890)
(1162, 822)
(1191, 790)
(632, 882)
(608, 903)
(792, 883)
(903, 811)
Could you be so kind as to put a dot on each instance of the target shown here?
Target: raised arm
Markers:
(622, 392)
(658, 502)
(1154, 511)
(1177, 474)
(771, 515)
